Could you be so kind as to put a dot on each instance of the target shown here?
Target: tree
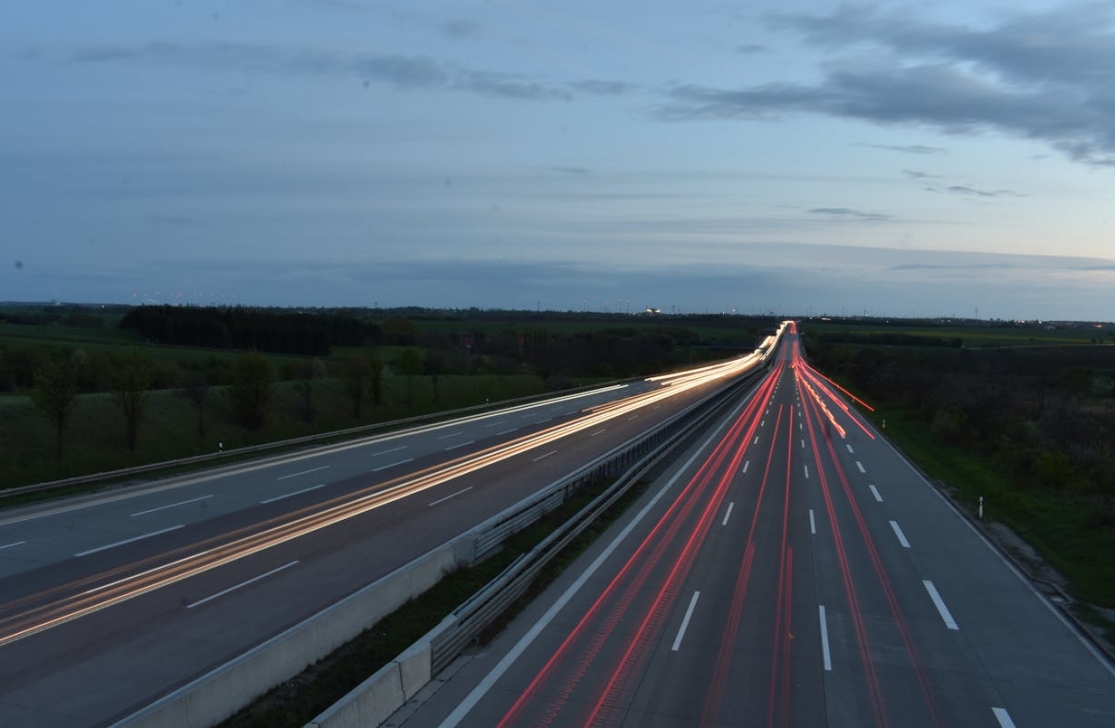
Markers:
(356, 375)
(133, 374)
(253, 386)
(375, 380)
(55, 392)
(307, 371)
(435, 367)
(195, 388)
(411, 365)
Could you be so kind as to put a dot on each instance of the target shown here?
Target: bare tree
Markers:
(356, 375)
(133, 374)
(375, 381)
(411, 364)
(253, 387)
(55, 392)
(195, 388)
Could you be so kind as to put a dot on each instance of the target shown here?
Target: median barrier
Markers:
(218, 694)
(225, 690)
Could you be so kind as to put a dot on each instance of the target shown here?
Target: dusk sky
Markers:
(793, 156)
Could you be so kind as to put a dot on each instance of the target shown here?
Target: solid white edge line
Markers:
(812, 523)
(172, 505)
(727, 513)
(304, 472)
(860, 466)
(940, 604)
(875, 492)
(543, 457)
(454, 495)
(130, 540)
(1003, 717)
(391, 465)
(901, 536)
(685, 621)
(387, 452)
(240, 585)
(825, 639)
(291, 495)
(460, 444)
(465, 706)
(12, 545)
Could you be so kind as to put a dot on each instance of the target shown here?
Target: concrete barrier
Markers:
(218, 694)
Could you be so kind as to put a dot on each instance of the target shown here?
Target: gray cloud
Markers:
(976, 192)
(907, 149)
(1048, 76)
(848, 213)
(918, 174)
(407, 71)
(461, 29)
(601, 87)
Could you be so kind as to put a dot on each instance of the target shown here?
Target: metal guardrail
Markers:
(288, 443)
(484, 607)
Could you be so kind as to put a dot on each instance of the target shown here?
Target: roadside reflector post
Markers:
(981, 507)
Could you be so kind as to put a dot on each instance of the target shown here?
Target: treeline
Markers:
(279, 331)
(1046, 416)
(887, 338)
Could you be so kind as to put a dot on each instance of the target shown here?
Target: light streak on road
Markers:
(43, 610)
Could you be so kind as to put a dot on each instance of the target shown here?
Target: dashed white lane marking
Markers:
(1003, 717)
(241, 585)
(806, 470)
(727, 514)
(812, 523)
(825, 639)
(291, 495)
(849, 446)
(803, 443)
(170, 505)
(506, 432)
(391, 465)
(598, 432)
(543, 457)
(304, 472)
(745, 464)
(756, 440)
(763, 423)
(875, 492)
(901, 536)
(12, 545)
(940, 604)
(685, 621)
(452, 495)
(385, 452)
(130, 540)
(459, 444)
(451, 434)
(632, 417)
(860, 466)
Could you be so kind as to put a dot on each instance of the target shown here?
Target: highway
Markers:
(111, 600)
(792, 570)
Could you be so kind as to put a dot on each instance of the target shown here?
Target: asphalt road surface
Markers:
(794, 570)
(109, 601)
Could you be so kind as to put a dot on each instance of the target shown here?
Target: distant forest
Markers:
(279, 331)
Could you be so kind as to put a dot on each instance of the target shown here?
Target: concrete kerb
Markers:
(218, 694)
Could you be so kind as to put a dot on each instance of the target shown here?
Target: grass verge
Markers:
(1056, 527)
